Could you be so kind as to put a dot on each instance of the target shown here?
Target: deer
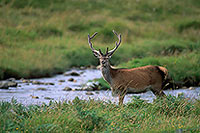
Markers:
(134, 80)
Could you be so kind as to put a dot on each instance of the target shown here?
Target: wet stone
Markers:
(25, 81)
(12, 84)
(92, 67)
(82, 68)
(67, 89)
(61, 80)
(37, 82)
(41, 89)
(7, 84)
(72, 74)
(71, 79)
(191, 88)
(184, 87)
(89, 93)
(34, 97)
(50, 83)
(11, 79)
(48, 98)
(87, 88)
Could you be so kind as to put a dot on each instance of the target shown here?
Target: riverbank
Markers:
(43, 39)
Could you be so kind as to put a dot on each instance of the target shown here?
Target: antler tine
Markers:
(90, 43)
(117, 43)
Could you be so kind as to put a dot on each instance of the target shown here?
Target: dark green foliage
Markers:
(189, 25)
(48, 31)
(78, 27)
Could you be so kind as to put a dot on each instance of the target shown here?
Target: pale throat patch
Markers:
(106, 74)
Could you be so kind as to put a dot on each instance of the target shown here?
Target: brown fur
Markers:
(137, 80)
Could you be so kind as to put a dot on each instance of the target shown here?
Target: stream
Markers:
(29, 93)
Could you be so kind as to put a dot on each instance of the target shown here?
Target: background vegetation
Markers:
(163, 115)
(41, 38)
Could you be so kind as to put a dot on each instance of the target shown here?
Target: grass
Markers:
(44, 38)
(163, 115)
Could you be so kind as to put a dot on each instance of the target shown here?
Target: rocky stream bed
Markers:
(67, 86)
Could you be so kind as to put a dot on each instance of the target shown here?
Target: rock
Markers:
(76, 89)
(25, 81)
(41, 89)
(48, 98)
(61, 80)
(37, 82)
(12, 84)
(49, 83)
(87, 88)
(11, 79)
(71, 79)
(4, 85)
(92, 86)
(89, 93)
(82, 68)
(92, 67)
(81, 72)
(67, 89)
(7, 84)
(72, 74)
(184, 87)
(191, 88)
(34, 97)
(97, 92)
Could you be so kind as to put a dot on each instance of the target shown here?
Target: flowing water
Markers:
(28, 93)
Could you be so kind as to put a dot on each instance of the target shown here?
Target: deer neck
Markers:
(107, 73)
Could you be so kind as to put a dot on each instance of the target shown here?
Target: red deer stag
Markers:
(135, 80)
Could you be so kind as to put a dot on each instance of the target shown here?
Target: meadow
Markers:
(43, 38)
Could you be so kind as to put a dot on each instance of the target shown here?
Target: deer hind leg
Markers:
(157, 91)
(121, 99)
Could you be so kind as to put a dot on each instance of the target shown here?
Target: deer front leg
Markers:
(123, 91)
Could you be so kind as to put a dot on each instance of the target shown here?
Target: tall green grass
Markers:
(163, 115)
(43, 38)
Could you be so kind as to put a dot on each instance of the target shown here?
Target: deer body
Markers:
(135, 80)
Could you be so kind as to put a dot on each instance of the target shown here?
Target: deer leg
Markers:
(158, 93)
(121, 99)
(122, 95)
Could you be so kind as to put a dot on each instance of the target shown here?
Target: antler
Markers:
(117, 44)
(90, 43)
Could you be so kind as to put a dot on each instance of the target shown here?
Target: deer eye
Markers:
(103, 62)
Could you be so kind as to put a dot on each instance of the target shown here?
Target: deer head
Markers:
(104, 58)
